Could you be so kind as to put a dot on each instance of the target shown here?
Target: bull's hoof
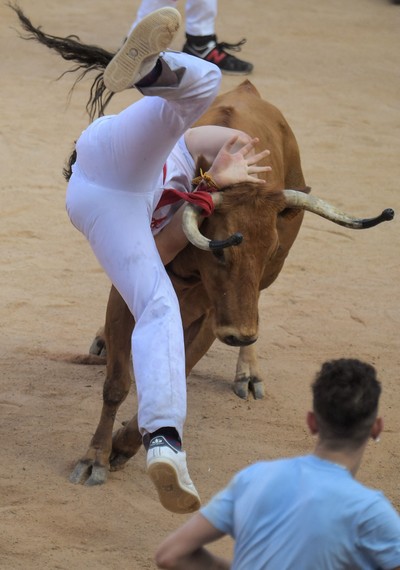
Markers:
(241, 389)
(98, 347)
(88, 474)
(80, 473)
(252, 385)
(257, 388)
(98, 476)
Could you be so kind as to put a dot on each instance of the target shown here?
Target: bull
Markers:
(218, 286)
(219, 275)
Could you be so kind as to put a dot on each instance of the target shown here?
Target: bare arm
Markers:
(184, 548)
(230, 152)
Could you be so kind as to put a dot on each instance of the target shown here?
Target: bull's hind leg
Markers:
(93, 466)
(126, 443)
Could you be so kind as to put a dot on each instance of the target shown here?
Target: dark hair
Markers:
(67, 170)
(345, 401)
(88, 58)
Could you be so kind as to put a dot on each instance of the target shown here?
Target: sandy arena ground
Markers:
(333, 69)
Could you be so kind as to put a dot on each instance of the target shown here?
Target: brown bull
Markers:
(218, 288)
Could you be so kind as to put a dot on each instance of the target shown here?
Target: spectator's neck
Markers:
(348, 458)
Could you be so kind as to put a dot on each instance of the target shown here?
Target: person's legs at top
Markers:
(201, 39)
(146, 7)
(113, 191)
(200, 14)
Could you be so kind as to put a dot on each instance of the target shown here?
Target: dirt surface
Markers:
(333, 69)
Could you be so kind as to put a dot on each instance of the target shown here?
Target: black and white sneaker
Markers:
(209, 49)
(166, 467)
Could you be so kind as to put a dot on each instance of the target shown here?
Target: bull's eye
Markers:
(219, 255)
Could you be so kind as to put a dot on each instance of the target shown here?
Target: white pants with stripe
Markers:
(111, 196)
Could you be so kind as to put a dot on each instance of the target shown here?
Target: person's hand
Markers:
(237, 162)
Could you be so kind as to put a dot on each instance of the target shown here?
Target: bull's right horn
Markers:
(190, 224)
(296, 199)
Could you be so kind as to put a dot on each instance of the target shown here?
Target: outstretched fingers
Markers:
(237, 162)
(253, 159)
(252, 162)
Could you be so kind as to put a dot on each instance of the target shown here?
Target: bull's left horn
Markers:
(190, 224)
(296, 199)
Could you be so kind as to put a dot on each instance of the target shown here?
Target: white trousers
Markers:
(114, 189)
(200, 15)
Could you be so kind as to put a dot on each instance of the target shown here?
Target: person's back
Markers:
(301, 513)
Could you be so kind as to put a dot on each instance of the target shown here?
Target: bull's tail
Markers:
(88, 58)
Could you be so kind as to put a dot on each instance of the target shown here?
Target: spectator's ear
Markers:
(312, 423)
(376, 429)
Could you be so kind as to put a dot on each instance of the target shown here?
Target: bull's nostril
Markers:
(233, 340)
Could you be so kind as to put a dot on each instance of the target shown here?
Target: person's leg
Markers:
(200, 16)
(124, 156)
(112, 194)
(148, 6)
(201, 39)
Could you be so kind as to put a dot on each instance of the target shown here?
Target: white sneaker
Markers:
(167, 469)
(139, 54)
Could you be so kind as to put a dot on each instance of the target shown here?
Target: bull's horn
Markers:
(190, 225)
(296, 199)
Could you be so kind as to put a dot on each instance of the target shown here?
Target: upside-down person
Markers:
(117, 173)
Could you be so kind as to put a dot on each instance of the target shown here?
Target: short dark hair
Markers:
(345, 401)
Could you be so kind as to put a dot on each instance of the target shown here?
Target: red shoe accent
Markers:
(216, 56)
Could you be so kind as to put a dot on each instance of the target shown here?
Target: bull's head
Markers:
(233, 276)
(294, 199)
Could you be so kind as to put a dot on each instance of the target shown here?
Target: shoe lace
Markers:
(232, 47)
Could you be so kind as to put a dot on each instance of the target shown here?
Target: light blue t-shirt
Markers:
(305, 513)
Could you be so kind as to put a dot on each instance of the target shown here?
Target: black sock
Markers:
(170, 434)
(152, 76)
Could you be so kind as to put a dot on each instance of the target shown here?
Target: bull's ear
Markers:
(290, 213)
(202, 164)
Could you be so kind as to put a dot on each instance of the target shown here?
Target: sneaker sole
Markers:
(150, 37)
(172, 495)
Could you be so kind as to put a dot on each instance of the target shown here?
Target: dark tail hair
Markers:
(88, 57)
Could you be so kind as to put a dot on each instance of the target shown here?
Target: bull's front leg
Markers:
(247, 374)
(93, 467)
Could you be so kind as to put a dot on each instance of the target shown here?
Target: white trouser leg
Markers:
(148, 6)
(200, 15)
(111, 196)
